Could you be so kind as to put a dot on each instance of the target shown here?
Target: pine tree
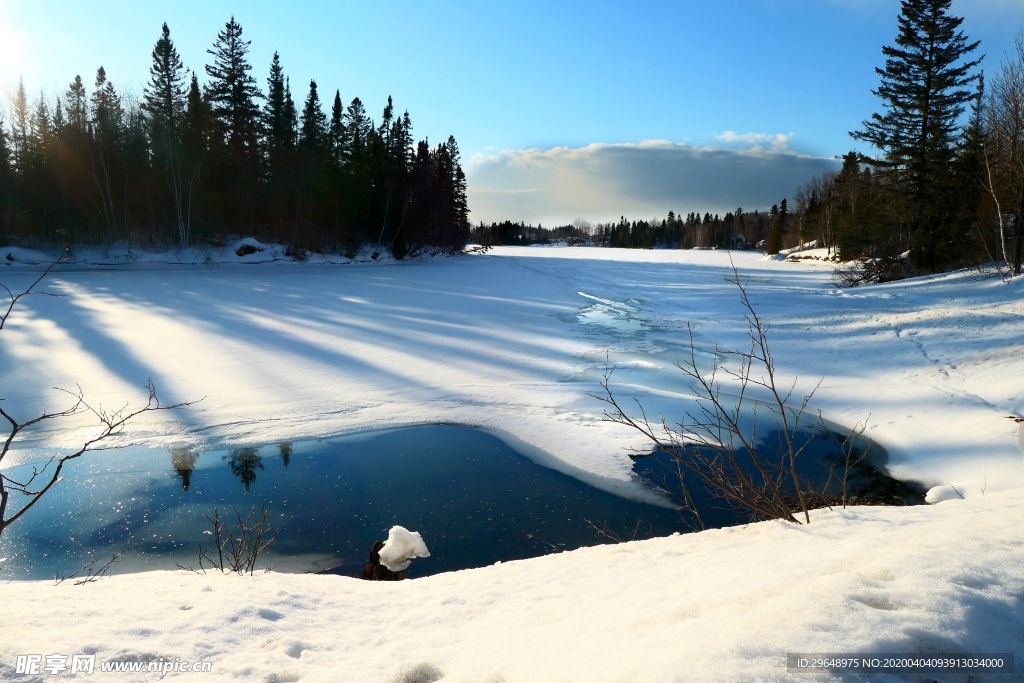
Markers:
(164, 105)
(20, 129)
(291, 117)
(197, 122)
(195, 147)
(336, 131)
(40, 129)
(276, 124)
(76, 104)
(313, 125)
(924, 87)
(105, 153)
(232, 94)
(358, 127)
(968, 177)
(775, 232)
(311, 170)
(164, 95)
(460, 207)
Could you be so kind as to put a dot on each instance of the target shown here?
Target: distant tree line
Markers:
(509, 233)
(187, 162)
(735, 230)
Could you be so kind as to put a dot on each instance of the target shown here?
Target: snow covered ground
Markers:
(515, 341)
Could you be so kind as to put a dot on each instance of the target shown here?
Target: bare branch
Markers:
(15, 298)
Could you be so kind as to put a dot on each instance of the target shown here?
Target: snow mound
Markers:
(939, 494)
(26, 256)
(401, 548)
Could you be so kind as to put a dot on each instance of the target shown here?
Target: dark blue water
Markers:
(475, 501)
(830, 473)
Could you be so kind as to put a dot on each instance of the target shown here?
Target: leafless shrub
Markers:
(717, 444)
(871, 270)
(89, 574)
(236, 548)
(605, 531)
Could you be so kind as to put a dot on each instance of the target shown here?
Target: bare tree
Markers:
(1004, 153)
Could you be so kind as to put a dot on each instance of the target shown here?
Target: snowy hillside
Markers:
(515, 341)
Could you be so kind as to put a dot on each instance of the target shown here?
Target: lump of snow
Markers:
(938, 494)
(401, 548)
(248, 246)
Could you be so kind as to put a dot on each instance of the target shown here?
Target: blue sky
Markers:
(562, 109)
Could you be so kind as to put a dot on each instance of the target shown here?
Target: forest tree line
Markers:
(185, 162)
(735, 230)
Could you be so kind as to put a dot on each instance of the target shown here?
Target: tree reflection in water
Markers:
(183, 460)
(243, 463)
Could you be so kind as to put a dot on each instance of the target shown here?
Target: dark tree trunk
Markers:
(375, 571)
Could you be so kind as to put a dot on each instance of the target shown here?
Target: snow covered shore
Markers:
(515, 341)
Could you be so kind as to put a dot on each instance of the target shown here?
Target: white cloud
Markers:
(757, 143)
(644, 179)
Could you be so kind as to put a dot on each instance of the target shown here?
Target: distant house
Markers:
(738, 241)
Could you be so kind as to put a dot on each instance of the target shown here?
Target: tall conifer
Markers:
(232, 93)
(924, 87)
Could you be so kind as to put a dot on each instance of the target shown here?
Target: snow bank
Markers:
(724, 605)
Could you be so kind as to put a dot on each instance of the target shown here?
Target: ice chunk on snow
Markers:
(401, 547)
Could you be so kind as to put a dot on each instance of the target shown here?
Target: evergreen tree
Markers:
(312, 167)
(164, 105)
(195, 148)
(76, 104)
(358, 127)
(276, 123)
(20, 129)
(775, 234)
(39, 193)
(291, 117)
(164, 95)
(72, 157)
(233, 168)
(105, 150)
(313, 125)
(232, 94)
(196, 128)
(460, 207)
(336, 131)
(924, 86)
(968, 176)
(40, 130)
